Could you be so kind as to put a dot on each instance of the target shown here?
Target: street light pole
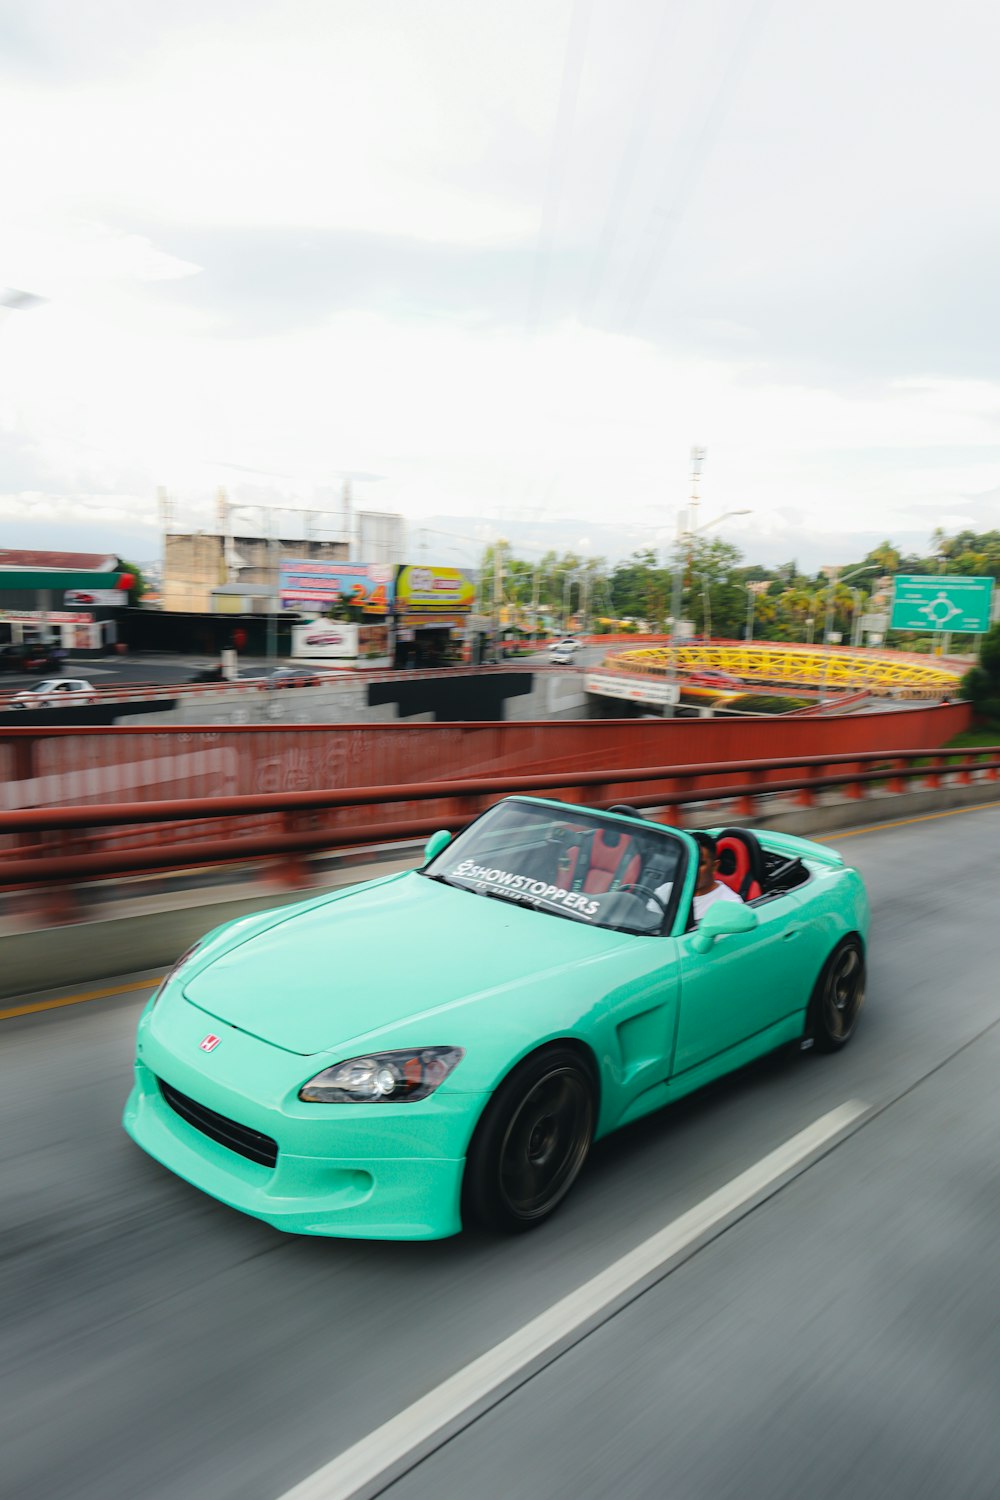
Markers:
(751, 603)
(856, 622)
(854, 573)
(497, 595)
(673, 677)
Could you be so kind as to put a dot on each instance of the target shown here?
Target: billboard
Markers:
(318, 585)
(947, 602)
(106, 598)
(425, 590)
(343, 642)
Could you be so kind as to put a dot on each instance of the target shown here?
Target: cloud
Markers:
(307, 120)
(303, 242)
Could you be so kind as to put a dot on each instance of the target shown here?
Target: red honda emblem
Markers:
(209, 1043)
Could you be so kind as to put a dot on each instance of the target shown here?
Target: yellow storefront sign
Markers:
(428, 590)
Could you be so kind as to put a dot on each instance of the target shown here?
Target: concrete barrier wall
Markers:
(506, 694)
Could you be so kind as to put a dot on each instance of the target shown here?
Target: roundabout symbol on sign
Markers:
(939, 610)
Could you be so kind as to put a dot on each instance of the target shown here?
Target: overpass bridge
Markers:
(813, 1239)
(158, 1344)
(655, 674)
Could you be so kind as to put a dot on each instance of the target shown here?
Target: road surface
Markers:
(841, 1338)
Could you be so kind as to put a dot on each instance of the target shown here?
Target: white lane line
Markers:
(399, 1444)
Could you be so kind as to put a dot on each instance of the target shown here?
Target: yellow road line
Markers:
(115, 989)
(951, 812)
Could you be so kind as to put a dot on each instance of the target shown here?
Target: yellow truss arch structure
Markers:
(890, 674)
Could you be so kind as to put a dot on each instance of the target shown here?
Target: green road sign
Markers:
(947, 602)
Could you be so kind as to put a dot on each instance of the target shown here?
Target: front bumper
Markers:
(369, 1171)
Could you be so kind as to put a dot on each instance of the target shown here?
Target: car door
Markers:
(745, 983)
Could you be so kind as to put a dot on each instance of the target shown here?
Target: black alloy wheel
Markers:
(531, 1143)
(838, 997)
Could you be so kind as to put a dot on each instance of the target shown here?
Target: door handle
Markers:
(790, 932)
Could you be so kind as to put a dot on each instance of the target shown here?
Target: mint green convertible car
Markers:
(441, 1046)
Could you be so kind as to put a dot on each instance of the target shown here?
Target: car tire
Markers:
(531, 1142)
(838, 997)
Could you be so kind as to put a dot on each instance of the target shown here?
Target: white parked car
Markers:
(55, 690)
(567, 645)
(562, 657)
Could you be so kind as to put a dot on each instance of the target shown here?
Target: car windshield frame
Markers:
(505, 872)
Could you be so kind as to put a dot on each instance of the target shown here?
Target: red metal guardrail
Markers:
(54, 845)
(71, 765)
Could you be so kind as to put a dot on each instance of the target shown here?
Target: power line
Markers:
(641, 116)
(569, 90)
(672, 205)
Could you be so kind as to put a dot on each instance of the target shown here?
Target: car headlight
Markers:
(383, 1078)
(184, 959)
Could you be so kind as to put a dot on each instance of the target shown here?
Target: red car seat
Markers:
(566, 866)
(741, 862)
(611, 861)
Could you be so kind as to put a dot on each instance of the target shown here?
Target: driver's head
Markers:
(706, 862)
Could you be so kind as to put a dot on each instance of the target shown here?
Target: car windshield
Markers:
(570, 863)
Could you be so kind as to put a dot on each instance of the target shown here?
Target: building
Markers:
(71, 599)
(197, 563)
(380, 537)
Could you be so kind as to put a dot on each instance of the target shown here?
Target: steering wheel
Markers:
(633, 888)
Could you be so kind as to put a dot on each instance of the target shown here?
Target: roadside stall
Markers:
(433, 605)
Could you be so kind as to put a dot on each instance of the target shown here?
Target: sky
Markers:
(504, 263)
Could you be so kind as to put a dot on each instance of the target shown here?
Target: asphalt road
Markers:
(842, 1338)
(157, 669)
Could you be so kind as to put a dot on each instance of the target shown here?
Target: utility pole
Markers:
(348, 519)
(498, 547)
(274, 570)
(676, 605)
(685, 533)
(698, 456)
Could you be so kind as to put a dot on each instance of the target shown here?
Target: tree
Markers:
(715, 598)
(982, 683)
(139, 584)
(639, 588)
(884, 556)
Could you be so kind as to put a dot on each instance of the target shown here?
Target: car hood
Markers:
(383, 954)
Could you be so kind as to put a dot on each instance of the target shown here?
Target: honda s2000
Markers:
(441, 1046)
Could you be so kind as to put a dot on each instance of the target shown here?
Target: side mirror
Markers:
(435, 844)
(722, 919)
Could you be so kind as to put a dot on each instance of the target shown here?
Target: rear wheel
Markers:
(838, 997)
(531, 1142)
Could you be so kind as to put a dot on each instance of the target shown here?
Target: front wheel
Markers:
(531, 1143)
(838, 997)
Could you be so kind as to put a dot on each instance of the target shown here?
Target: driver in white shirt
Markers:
(708, 887)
